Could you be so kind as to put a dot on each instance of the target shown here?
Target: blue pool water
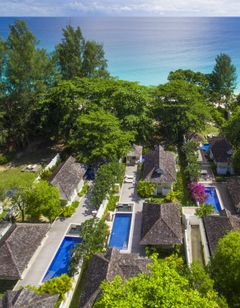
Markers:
(61, 261)
(205, 147)
(120, 231)
(213, 198)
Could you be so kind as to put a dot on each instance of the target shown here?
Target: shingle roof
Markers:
(159, 166)
(220, 148)
(233, 186)
(26, 298)
(17, 248)
(135, 151)
(216, 226)
(67, 176)
(107, 266)
(161, 224)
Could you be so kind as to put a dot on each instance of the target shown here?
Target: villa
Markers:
(233, 186)
(221, 153)
(161, 225)
(17, 248)
(27, 298)
(134, 155)
(105, 266)
(216, 226)
(69, 179)
(160, 169)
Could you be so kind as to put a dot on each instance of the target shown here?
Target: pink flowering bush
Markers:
(198, 192)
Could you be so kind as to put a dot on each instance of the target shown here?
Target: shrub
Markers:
(69, 210)
(172, 196)
(112, 202)
(84, 190)
(192, 169)
(204, 210)
(3, 159)
(198, 192)
(145, 189)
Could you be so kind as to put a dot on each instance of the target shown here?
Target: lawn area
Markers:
(13, 178)
(210, 129)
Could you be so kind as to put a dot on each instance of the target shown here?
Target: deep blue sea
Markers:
(146, 49)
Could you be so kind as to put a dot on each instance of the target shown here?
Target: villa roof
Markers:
(17, 248)
(136, 150)
(220, 148)
(216, 226)
(233, 186)
(67, 176)
(159, 166)
(106, 266)
(26, 298)
(161, 224)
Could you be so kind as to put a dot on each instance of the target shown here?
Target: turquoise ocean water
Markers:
(146, 49)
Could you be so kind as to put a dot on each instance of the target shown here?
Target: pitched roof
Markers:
(220, 148)
(106, 266)
(26, 298)
(159, 166)
(216, 226)
(233, 186)
(135, 151)
(17, 248)
(67, 176)
(161, 224)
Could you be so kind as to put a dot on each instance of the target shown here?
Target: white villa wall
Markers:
(52, 163)
(102, 208)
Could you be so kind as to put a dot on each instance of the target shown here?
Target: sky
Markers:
(120, 7)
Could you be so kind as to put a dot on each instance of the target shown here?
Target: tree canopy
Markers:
(232, 128)
(225, 268)
(164, 286)
(179, 108)
(98, 138)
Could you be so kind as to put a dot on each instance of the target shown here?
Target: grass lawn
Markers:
(14, 177)
(211, 129)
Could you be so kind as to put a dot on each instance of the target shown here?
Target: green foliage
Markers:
(98, 138)
(69, 210)
(164, 287)
(107, 176)
(172, 196)
(39, 199)
(80, 58)
(204, 210)
(197, 78)
(192, 169)
(232, 128)
(179, 108)
(145, 189)
(84, 190)
(93, 236)
(14, 179)
(3, 159)
(58, 285)
(223, 78)
(236, 162)
(225, 268)
(112, 201)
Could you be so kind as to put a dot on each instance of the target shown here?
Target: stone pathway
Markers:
(47, 252)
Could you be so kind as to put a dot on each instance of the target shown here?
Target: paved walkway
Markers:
(129, 194)
(58, 229)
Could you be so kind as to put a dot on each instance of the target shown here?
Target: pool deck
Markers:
(129, 194)
(41, 262)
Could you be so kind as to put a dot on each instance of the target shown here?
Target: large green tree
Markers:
(179, 108)
(164, 287)
(232, 128)
(223, 77)
(39, 199)
(225, 268)
(98, 138)
(27, 71)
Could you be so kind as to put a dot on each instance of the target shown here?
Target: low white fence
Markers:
(102, 208)
(52, 163)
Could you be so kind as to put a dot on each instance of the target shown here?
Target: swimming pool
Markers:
(62, 259)
(213, 198)
(120, 231)
(205, 147)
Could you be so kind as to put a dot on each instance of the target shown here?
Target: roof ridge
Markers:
(13, 257)
(169, 227)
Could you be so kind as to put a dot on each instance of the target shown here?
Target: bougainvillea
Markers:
(198, 192)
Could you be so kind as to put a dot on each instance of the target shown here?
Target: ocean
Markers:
(146, 49)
